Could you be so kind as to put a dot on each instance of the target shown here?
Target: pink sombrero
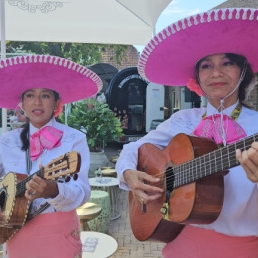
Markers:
(72, 81)
(170, 57)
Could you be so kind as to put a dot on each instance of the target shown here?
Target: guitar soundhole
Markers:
(3, 199)
(170, 179)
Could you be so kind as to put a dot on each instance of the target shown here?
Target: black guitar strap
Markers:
(40, 210)
(28, 161)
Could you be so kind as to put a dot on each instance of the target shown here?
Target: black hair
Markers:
(25, 131)
(56, 95)
(241, 62)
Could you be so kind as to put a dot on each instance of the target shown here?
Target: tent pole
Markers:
(3, 56)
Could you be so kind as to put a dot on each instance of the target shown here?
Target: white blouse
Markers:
(239, 214)
(71, 194)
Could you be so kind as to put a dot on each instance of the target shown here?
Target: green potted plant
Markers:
(98, 122)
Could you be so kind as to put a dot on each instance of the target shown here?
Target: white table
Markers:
(109, 184)
(97, 245)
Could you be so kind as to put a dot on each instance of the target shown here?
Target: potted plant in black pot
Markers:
(100, 125)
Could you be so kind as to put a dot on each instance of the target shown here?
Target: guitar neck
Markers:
(21, 186)
(59, 168)
(213, 162)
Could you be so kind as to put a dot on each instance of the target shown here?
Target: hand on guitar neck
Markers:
(38, 187)
(249, 161)
(142, 185)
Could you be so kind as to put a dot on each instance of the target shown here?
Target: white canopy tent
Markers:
(129, 22)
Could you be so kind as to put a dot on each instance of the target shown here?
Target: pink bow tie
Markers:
(211, 127)
(46, 138)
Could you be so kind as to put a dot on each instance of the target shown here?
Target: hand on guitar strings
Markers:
(249, 161)
(40, 188)
(140, 185)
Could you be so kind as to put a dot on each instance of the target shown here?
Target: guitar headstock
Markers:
(63, 167)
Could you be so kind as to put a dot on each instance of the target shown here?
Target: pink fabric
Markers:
(210, 127)
(46, 138)
(72, 81)
(48, 235)
(195, 242)
(212, 32)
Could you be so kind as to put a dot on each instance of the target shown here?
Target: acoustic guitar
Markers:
(191, 170)
(12, 188)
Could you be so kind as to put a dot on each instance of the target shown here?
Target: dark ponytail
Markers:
(25, 136)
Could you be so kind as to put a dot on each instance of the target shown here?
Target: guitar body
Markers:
(15, 209)
(15, 206)
(198, 202)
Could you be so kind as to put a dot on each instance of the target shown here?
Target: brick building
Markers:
(130, 58)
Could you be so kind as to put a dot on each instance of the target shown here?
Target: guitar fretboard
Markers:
(216, 161)
(21, 186)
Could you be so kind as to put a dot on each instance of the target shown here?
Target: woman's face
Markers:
(39, 105)
(219, 77)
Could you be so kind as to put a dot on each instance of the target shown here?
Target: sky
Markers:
(179, 9)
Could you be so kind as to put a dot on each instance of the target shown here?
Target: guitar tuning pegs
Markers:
(67, 179)
(75, 176)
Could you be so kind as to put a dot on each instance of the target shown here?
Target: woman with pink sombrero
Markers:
(214, 54)
(40, 84)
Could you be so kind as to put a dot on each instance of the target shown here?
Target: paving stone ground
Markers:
(128, 245)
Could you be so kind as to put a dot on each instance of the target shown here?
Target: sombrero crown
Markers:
(170, 57)
(72, 81)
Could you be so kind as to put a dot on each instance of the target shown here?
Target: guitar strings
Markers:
(192, 169)
(20, 186)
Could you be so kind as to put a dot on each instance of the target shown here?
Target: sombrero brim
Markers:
(72, 81)
(170, 57)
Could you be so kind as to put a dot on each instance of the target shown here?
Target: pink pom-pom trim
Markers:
(195, 87)
(59, 109)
